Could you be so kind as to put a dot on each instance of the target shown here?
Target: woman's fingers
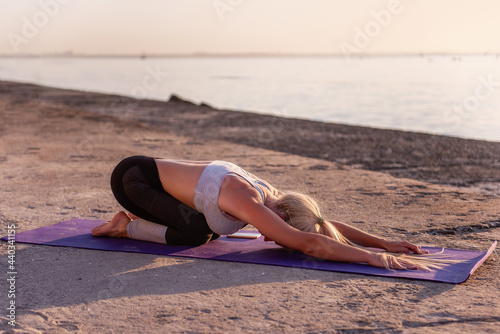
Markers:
(399, 264)
(396, 263)
(418, 250)
(413, 248)
(409, 265)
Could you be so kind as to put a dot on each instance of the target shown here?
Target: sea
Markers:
(456, 96)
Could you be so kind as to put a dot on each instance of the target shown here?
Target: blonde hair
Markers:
(303, 213)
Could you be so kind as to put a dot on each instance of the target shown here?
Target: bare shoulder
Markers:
(273, 190)
(242, 201)
(235, 192)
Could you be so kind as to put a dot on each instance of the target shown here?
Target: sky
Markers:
(349, 27)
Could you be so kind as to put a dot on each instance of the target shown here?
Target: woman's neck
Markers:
(271, 202)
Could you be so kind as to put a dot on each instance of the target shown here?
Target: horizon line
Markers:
(69, 54)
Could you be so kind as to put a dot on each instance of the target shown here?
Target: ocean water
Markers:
(455, 96)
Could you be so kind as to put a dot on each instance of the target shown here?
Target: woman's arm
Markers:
(359, 237)
(316, 245)
(330, 249)
(368, 240)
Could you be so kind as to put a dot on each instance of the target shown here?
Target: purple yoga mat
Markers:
(76, 233)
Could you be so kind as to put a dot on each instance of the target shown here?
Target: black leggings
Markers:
(137, 187)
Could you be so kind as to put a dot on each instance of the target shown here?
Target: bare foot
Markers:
(116, 227)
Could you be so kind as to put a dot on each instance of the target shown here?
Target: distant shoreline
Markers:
(430, 158)
(323, 89)
(252, 55)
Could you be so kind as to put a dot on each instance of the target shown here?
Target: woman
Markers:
(192, 203)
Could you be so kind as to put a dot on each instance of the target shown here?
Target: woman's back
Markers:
(179, 178)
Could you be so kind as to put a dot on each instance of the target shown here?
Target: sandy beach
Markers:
(58, 148)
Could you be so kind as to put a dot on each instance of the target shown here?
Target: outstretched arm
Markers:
(327, 248)
(368, 240)
(316, 245)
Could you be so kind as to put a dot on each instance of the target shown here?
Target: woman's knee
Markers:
(119, 171)
(126, 175)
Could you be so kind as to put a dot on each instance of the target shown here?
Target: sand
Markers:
(58, 148)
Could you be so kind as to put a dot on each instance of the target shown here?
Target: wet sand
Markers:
(58, 148)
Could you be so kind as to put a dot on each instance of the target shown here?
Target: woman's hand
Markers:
(384, 260)
(403, 247)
